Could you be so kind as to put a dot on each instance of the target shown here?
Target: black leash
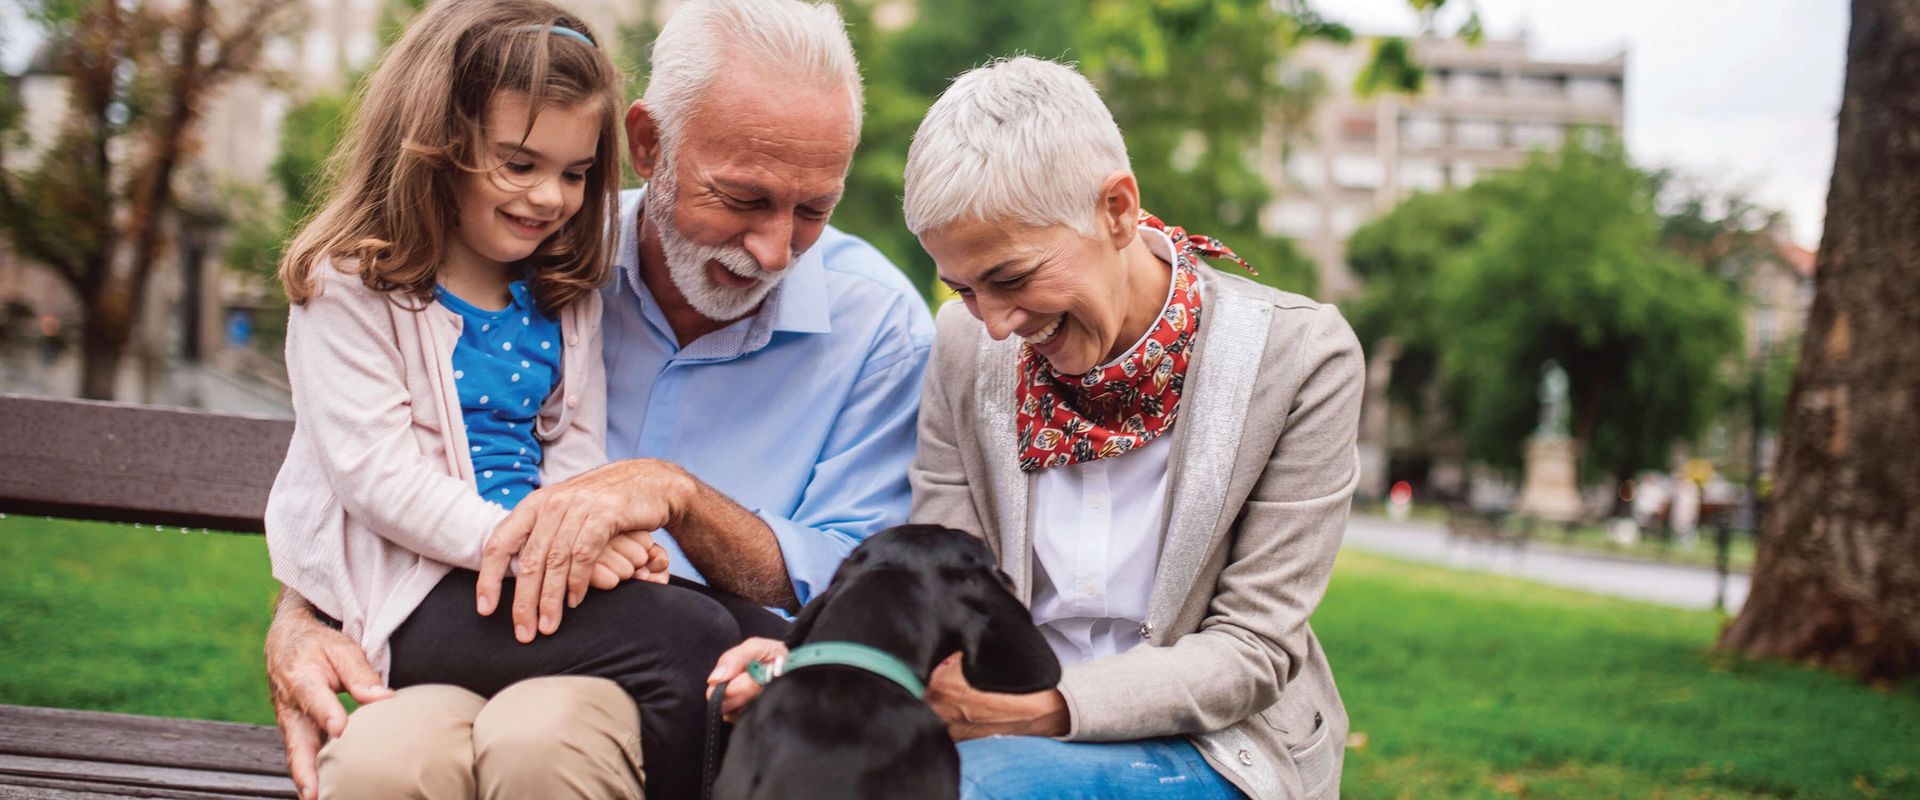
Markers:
(716, 742)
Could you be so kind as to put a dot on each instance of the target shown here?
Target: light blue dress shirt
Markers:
(804, 412)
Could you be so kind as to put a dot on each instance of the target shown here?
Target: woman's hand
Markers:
(731, 672)
(630, 556)
(973, 714)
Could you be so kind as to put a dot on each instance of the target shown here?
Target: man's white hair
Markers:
(806, 40)
(1022, 140)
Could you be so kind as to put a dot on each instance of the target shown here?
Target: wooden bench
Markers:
(1468, 524)
(121, 463)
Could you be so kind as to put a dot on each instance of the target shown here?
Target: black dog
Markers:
(919, 593)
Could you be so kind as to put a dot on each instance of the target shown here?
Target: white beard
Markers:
(687, 260)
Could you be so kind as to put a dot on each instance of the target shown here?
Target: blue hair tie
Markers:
(558, 30)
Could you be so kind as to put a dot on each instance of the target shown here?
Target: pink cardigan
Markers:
(376, 501)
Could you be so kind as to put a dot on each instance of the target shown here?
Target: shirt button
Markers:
(573, 341)
(1246, 758)
(573, 402)
(1097, 501)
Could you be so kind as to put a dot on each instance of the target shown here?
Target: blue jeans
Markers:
(1022, 767)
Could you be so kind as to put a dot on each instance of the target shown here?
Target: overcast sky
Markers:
(1740, 93)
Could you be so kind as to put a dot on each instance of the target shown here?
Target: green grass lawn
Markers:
(1470, 685)
(140, 620)
(1459, 684)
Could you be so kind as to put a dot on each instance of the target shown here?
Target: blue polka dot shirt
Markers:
(505, 365)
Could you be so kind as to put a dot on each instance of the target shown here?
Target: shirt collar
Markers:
(799, 304)
(1161, 246)
(1158, 243)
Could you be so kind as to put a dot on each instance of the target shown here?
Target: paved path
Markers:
(1667, 584)
(203, 386)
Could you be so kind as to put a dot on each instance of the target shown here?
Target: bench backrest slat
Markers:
(123, 463)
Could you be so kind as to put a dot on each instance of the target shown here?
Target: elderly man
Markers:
(763, 380)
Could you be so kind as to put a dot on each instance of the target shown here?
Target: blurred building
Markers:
(1484, 108)
(1778, 284)
(1776, 280)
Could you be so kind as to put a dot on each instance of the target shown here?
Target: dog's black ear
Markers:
(1005, 653)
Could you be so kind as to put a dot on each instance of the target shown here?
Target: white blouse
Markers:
(1097, 528)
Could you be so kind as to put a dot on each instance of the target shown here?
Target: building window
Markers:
(1593, 137)
(1471, 84)
(279, 53)
(1594, 90)
(1535, 85)
(361, 47)
(1537, 135)
(1305, 170)
(318, 53)
(1422, 175)
(1357, 172)
(1344, 220)
(1475, 133)
(1294, 218)
(1463, 174)
(1424, 131)
(1359, 128)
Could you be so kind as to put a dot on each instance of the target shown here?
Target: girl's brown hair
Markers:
(420, 121)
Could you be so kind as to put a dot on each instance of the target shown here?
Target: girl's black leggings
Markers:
(658, 642)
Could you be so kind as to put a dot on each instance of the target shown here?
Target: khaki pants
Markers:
(566, 736)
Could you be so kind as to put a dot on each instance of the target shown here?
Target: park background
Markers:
(1473, 198)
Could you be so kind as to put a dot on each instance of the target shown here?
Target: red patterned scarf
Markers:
(1110, 410)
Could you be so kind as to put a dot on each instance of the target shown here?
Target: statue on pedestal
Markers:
(1553, 403)
(1551, 491)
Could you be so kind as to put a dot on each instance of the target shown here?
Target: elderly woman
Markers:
(1161, 455)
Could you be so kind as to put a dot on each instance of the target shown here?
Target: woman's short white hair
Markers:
(804, 39)
(1022, 139)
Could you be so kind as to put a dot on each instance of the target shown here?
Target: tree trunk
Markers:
(1837, 578)
(103, 342)
(106, 329)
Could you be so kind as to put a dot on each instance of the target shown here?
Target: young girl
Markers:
(444, 351)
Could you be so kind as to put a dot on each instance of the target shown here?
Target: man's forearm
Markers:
(290, 613)
(730, 545)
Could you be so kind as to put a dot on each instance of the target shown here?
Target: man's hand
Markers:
(560, 531)
(630, 556)
(308, 665)
(731, 673)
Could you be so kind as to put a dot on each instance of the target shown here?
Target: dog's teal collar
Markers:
(845, 654)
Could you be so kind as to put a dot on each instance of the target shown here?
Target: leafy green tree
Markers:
(1191, 83)
(308, 135)
(1732, 238)
(1398, 257)
(905, 70)
(1561, 261)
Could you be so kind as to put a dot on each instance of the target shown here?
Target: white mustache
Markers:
(738, 261)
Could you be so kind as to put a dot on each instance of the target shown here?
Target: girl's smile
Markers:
(532, 183)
